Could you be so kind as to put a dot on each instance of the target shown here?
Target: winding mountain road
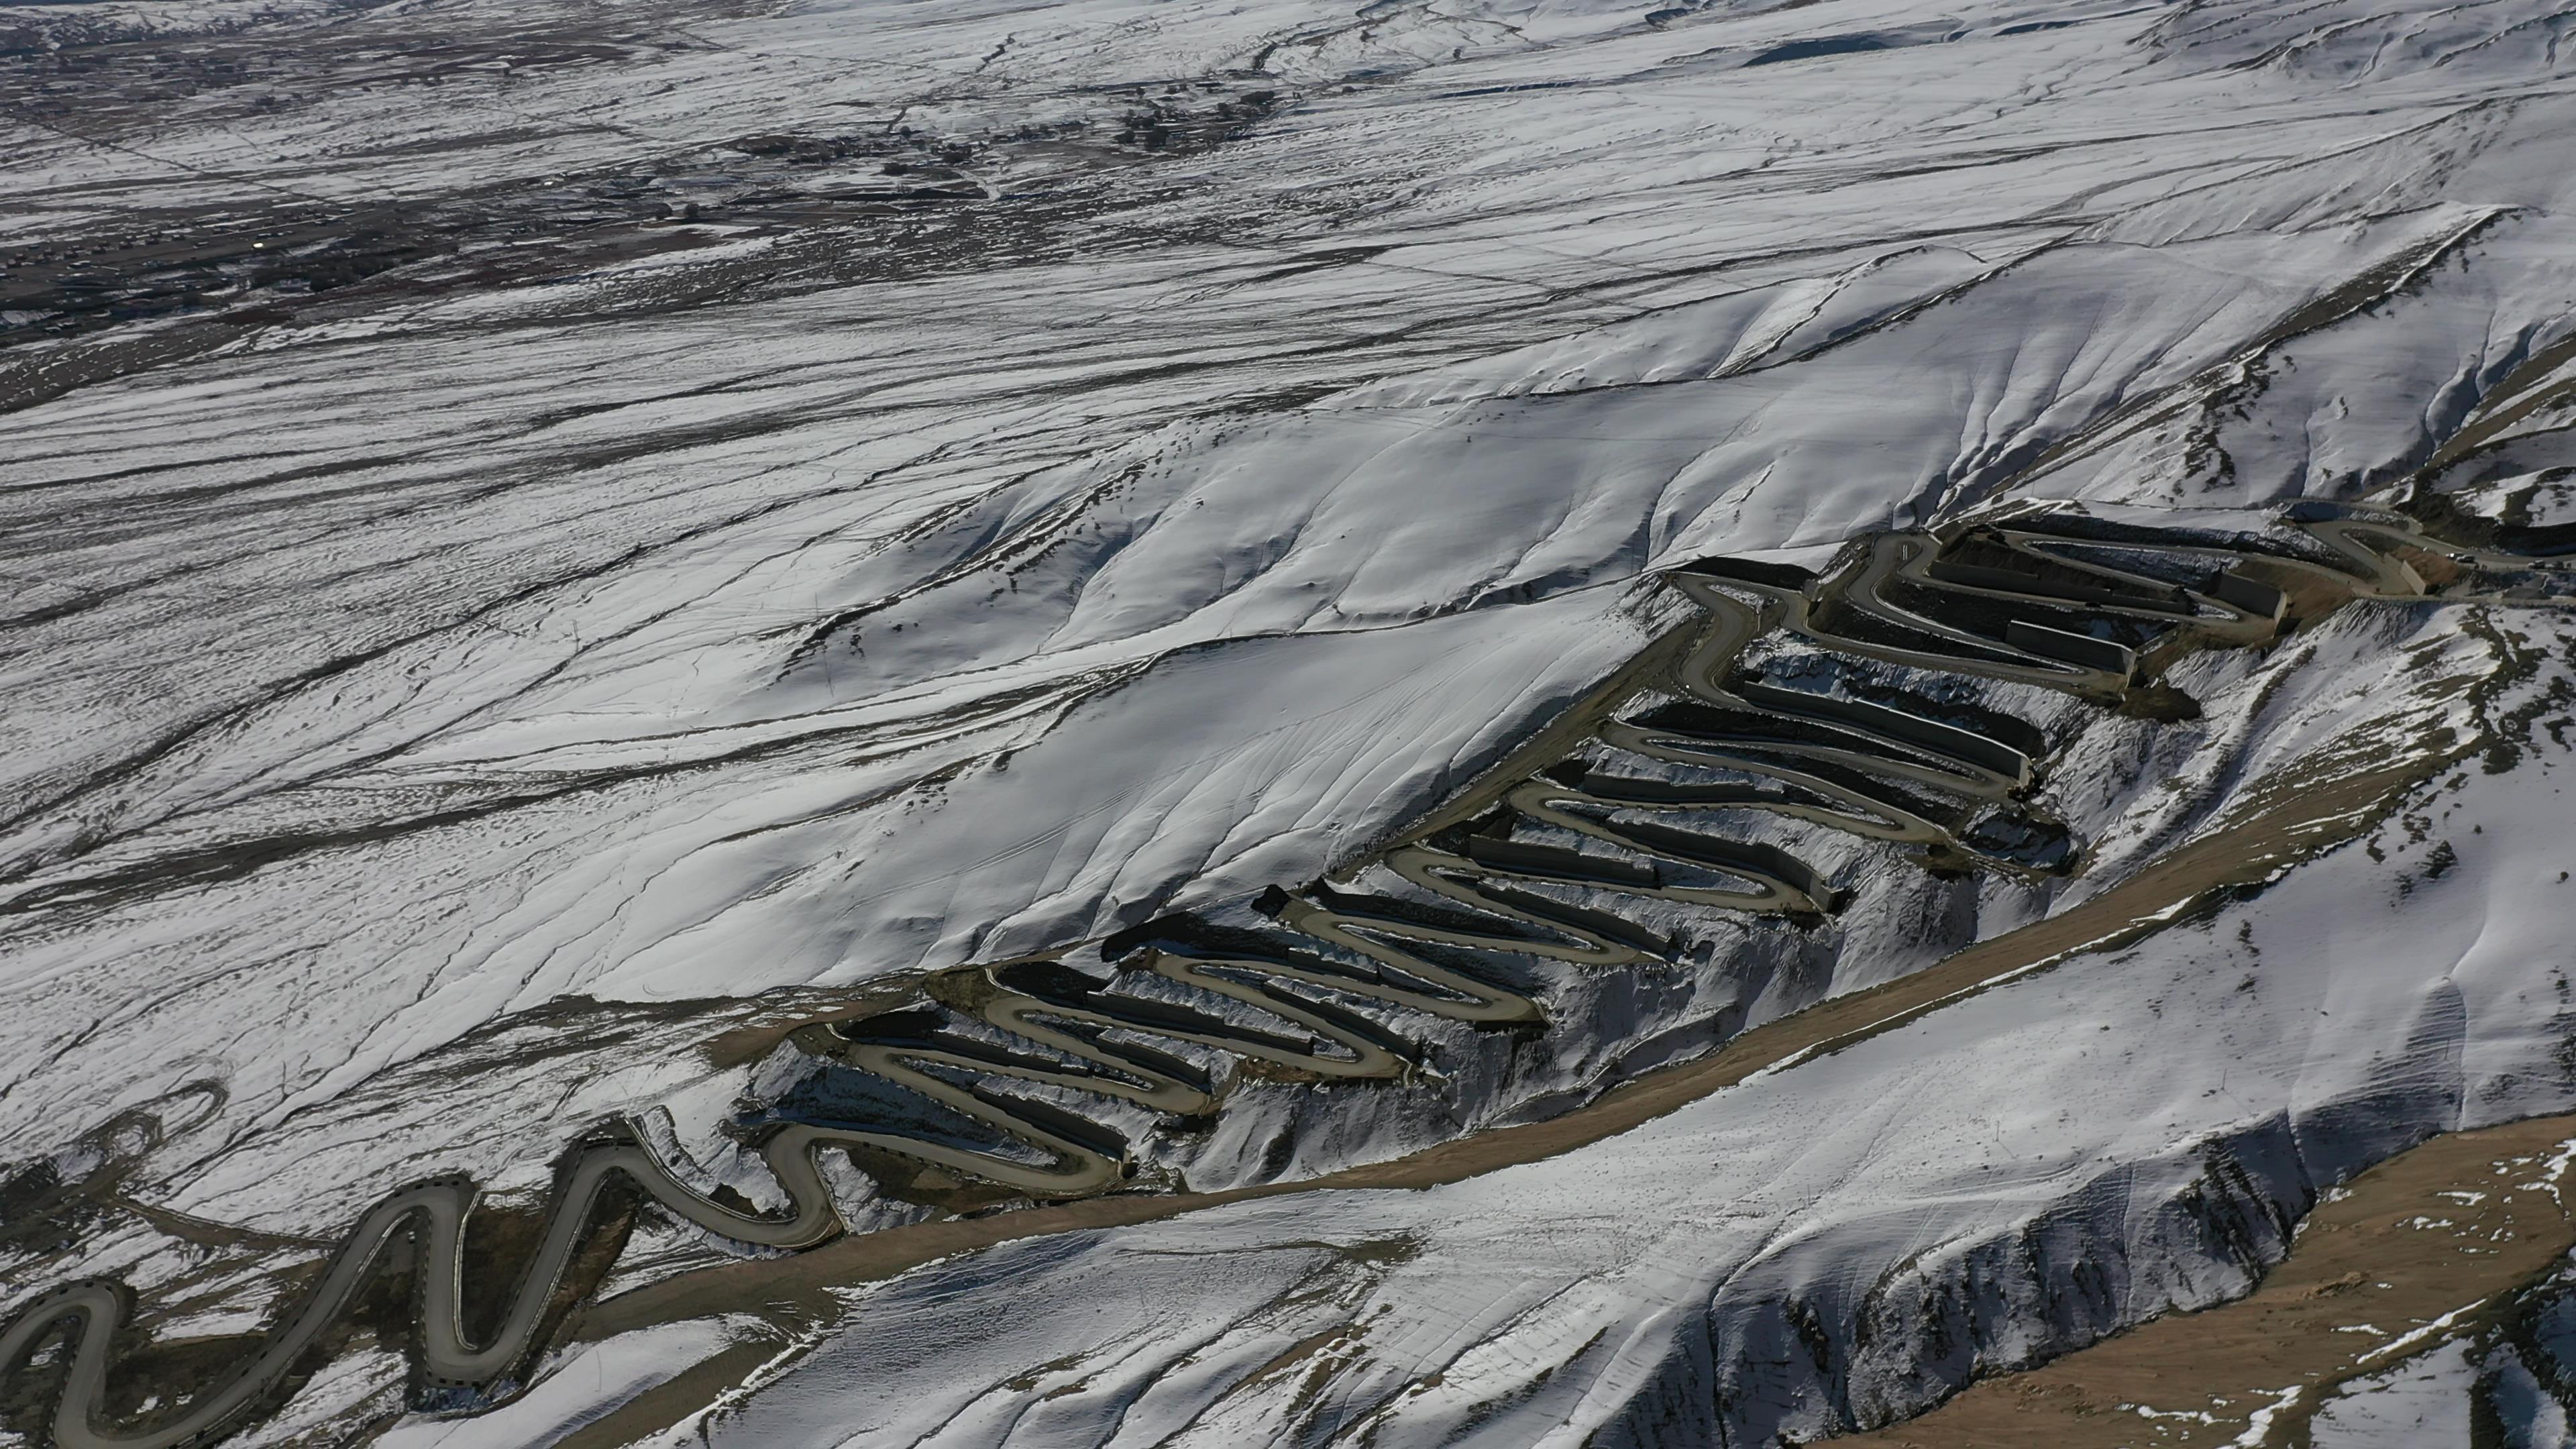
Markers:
(2015, 602)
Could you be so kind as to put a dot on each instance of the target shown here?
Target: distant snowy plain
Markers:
(807, 605)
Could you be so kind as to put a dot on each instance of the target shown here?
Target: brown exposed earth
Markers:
(2431, 1237)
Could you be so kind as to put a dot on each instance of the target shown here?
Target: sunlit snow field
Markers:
(802, 601)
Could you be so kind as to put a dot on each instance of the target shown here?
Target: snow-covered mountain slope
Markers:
(545, 546)
(1840, 1240)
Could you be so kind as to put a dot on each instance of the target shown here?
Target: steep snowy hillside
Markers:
(1453, 721)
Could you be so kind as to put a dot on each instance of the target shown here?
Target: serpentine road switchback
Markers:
(2063, 600)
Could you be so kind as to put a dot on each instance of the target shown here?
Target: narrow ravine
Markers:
(2408, 1257)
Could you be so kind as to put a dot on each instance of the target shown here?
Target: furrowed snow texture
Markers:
(541, 546)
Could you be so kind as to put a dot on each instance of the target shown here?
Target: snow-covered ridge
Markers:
(1571, 869)
(1836, 1245)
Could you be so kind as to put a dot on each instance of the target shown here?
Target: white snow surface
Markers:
(801, 608)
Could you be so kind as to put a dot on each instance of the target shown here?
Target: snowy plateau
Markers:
(1261, 722)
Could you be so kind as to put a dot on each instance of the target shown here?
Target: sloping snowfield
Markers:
(588, 535)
